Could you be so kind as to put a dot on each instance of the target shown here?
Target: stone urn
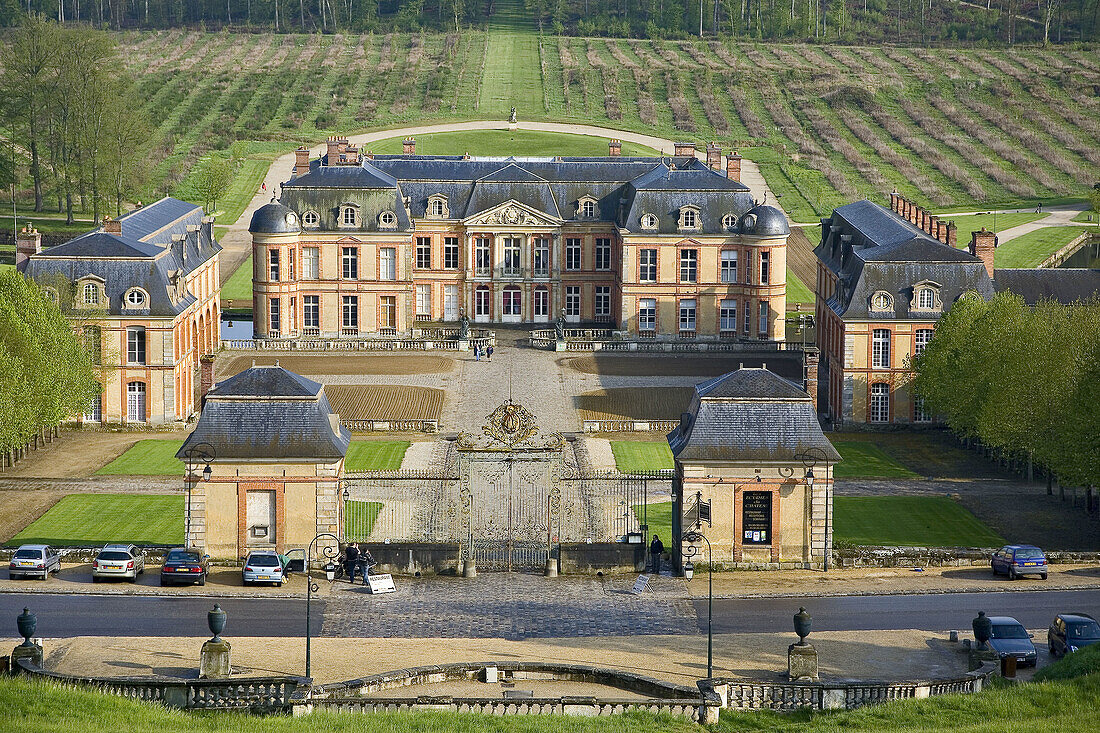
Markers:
(215, 619)
(802, 623)
(983, 627)
(27, 623)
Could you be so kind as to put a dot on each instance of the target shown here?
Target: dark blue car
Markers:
(1070, 632)
(1017, 560)
(1010, 639)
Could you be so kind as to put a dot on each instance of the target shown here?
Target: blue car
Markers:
(1010, 639)
(1017, 560)
(1070, 632)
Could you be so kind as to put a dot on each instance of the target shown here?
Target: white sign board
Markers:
(381, 584)
(640, 584)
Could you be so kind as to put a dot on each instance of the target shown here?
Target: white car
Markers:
(118, 561)
(37, 560)
(263, 566)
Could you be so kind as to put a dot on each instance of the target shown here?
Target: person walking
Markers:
(477, 352)
(366, 562)
(656, 549)
(489, 352)
(351, 561)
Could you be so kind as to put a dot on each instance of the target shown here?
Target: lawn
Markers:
(797, 292)
(359, 518)
(1032, 248)
(151, 457)
(508, 142)
(864, 459)
(659, 517)
(1087, 217)
(637, 456)
(80, 520)
(375, 455)
(925, 521)
(992, 222)
(238, 288)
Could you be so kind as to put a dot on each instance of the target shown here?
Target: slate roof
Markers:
(625, 188)
(266, 413)
(271, 219)
(1063, 285)
(870, 249)
(159, 245)
(750, 415)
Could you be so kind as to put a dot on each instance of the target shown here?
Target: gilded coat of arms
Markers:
(510, 423)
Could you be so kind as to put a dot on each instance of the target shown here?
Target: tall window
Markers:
(290, 265)
(647, 265)
(880, 348)
(920, 412)
(573, 301)
(135, 402)
(424, 252)
(482, 306)
(450, 302)
(541, 257)
(273, 259)
(689, 219)
(603, 253)
(764, 269)
(748, 316)
(728, 314)
(512, 302)
(763, 317)
(349, 312)
(603, 301)
(450, 253)
(91, 294)
(748, 267)
(880, 402)
(572, 254)
(311, 311)
(387, 311)
(588, 209)
(926, 299)
(437, 207)
(93, 342)
(273, 311)
(729, 265)
(542, 302)
(135, 345)
(689, 265)
(647, 314)
(687, 314)
(482, 259)
(349, 216)
(310, 263)
(349, 260)
(921, 339)
(94, 411)
(387, 263)
(424, 300)
(511, 255)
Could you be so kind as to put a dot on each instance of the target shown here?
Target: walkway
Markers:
(1059, 216)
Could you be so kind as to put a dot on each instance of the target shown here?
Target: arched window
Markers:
(880, 402)
(689, 217)
(588, 208)
(729, 221)
(348, 217)
(311, 218)
(91, 294)
(438, 208)
(135, 402)
(135, 298)
(649, 221)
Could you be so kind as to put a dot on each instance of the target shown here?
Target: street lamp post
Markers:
(196, 454)
(692, 537)
(810, 458)
(331, 552)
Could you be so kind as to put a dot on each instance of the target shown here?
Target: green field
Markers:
(992, 222)
(639, 456)
(1032, 248)
(375, 455)
(508, 142)
(151, 457)
(864, 459)
(797, 292)
(359, 518)
(659, 516)
(80, 520)
(238, 288)
(923, 521)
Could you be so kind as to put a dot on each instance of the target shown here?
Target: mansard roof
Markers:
(1066, 285)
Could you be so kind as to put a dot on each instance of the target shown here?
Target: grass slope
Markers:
(510, 142)
(797, 292)
(636, 456)
(992, 222)
(1032, 248)
(151, 457)
(375, 455)
(96, 519)
(238, 288)
(659, 517)
(864, 459)
(933, 521)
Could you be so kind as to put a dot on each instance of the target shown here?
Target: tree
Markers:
(127, 139)
(213, 175)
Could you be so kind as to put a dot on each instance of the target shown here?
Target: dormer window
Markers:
(729, 222)
(91, 294)
(649, 221)
(689, 217)
(437, 207)
(586, 208)
(387, 220)
(311, 218)
(349, 215)
(136, 298)
(881, 301)
(926, 299)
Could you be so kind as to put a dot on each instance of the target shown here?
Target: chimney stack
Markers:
(811, 375)
(733, 166)
(301, 161)
(983, 244)
(206, 377)
(952, 233)
(333, 150)
(615, 148)
(112, 226)
(894, 200)
(714, 156)
(27, 243)
(409, 146)
(684, 150)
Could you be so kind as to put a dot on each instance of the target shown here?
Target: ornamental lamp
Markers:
(206, 473)
(330, 571)
(689, 569)
(810, 477)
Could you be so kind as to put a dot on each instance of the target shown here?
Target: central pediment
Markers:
(512, 213)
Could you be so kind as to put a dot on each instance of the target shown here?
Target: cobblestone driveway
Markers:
(510, 606)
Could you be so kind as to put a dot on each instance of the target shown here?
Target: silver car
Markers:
(36, 560)
(263, 566)
(118, 561)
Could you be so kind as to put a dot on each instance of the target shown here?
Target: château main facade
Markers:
(361, 245)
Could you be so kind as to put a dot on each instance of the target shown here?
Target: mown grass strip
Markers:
(375, 455)
(151, 457)
(88, 520)
(908, 521)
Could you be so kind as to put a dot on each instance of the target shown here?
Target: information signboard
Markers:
(381, 584)
(756, 518)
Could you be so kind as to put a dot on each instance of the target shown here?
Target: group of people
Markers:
(478, 351)
(357, 561)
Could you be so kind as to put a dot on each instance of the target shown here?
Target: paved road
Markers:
(939, 612)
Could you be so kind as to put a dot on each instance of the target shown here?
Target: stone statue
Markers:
(559, 326)
(512, 117)
(464, 327)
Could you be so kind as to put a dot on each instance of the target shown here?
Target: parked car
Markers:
(1010, 639)
(185, 565)
(263, 566)
(39, 560)
(1071, 631)
(118, 561)
(1017, 560)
